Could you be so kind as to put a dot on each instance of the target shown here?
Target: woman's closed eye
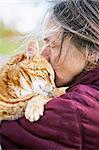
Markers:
(49, 44)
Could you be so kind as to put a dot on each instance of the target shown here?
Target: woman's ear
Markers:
(92, 60)
(32, 49)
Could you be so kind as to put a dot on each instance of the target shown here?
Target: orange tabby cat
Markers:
(26, 85)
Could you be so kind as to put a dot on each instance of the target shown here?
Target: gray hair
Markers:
(80, 17)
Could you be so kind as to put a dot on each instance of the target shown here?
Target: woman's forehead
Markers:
(51, 28)
(50, 24)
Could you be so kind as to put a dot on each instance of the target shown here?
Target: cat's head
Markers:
(30, 72)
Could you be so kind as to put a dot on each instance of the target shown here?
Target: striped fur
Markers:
(22, 79)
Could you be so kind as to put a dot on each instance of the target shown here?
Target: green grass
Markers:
(8, 46)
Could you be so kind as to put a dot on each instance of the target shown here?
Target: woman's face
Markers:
(66, 60)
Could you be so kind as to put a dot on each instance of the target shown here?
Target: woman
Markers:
(70, 121)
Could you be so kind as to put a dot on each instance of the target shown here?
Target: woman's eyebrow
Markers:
(46, 39)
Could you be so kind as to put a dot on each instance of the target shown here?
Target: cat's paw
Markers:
(35, 108)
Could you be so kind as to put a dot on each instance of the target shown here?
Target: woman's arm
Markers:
(58, 129)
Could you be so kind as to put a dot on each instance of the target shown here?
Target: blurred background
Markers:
(18, 18)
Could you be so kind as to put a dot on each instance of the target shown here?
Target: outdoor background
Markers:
(18, 18)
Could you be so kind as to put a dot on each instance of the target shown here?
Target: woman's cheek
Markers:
(53, 58)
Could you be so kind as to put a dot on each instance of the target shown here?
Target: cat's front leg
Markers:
(35, 108)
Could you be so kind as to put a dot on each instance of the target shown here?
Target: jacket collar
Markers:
(88, 78)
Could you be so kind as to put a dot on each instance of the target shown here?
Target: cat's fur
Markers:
(26, 85)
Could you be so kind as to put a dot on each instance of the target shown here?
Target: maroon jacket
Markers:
(70, 122)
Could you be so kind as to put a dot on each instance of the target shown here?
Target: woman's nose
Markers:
(46, 53)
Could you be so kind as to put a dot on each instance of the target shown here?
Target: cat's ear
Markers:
(32, 49)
